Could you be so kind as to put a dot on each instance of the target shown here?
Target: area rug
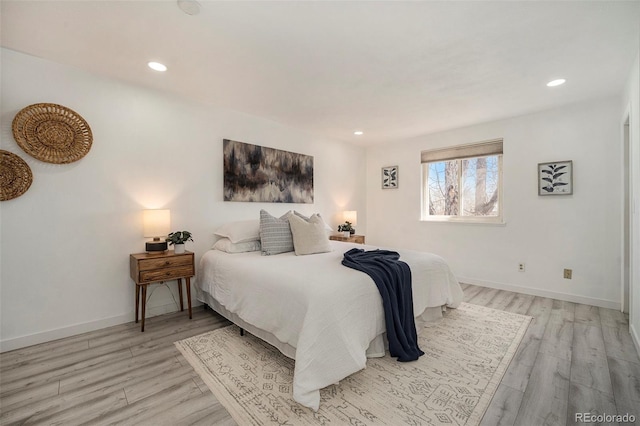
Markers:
(466, 355)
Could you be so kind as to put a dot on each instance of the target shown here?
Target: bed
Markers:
(327, 317)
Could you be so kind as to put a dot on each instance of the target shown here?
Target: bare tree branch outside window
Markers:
(466, 187)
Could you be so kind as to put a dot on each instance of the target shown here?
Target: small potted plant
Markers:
(346, 229)
(178, 239)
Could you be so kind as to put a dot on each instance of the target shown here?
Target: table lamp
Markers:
(157, 224)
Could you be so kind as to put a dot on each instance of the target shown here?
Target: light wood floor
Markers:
(574, 358)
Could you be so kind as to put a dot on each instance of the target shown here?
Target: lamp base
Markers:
(155, 246)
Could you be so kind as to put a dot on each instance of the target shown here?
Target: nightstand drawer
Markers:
(166, 274)
(164, 262)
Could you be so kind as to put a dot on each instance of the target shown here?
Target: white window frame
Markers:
(459, 153)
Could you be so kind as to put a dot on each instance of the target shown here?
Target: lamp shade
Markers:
(156, 222)
(351, 216)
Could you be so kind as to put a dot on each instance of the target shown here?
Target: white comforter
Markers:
(328, 312)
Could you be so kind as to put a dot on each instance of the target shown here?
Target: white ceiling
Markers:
(393, 69)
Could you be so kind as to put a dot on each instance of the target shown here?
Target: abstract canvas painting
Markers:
(256, 173)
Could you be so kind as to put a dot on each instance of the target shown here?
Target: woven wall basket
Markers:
(52, 133)
(15, 176)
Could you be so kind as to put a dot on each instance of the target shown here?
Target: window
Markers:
(463, 183)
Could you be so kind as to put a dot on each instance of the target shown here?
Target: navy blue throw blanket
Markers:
(393, 279)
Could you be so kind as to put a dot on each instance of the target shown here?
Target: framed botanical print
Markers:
(555, 178)
(390, 177)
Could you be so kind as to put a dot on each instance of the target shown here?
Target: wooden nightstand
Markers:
(147, 268)
(358, 239)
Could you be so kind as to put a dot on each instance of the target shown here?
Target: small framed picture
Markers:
(390, 177)
(555, 178)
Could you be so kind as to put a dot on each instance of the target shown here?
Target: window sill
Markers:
(465, 221)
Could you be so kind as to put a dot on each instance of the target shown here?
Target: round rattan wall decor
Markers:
(15, 176)
(52, 133)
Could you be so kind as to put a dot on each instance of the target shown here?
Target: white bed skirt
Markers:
(376, 349)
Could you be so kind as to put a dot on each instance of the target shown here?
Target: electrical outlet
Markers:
(568, 273)
(521, 267)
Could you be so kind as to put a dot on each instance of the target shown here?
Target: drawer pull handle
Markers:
(167, 263)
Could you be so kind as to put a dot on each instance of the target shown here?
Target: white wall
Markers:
(65, 243)
(631, 108)
(579, 231)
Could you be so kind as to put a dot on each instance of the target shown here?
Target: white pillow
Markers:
(225, 244)
(327, 227)
(240, 231)
(309, 237)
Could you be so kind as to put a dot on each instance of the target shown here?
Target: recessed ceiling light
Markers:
(557, 82)
(190, 7)
(157, 66)
(358, 133)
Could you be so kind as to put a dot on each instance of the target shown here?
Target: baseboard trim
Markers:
(603, 303)
(73, 330)
(60, 333)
